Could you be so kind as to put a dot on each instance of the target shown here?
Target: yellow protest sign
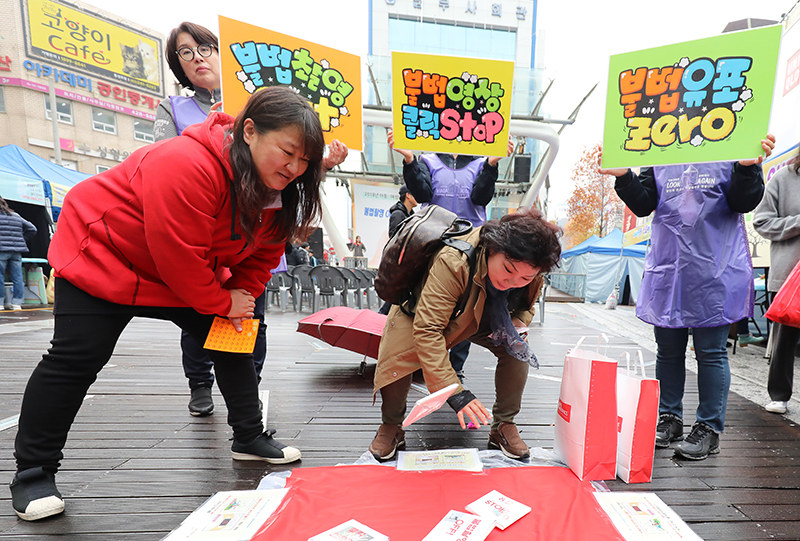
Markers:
(253, 58)
(451, 104)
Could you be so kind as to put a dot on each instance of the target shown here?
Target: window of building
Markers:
(2, 100)
(63, 108)
(143, 130)
(105, 121)
(461, 39)
(100, 168)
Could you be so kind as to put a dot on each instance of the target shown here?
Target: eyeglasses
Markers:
(187, 53)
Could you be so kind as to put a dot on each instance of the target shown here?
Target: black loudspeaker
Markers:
(522, 168)
(315, 243)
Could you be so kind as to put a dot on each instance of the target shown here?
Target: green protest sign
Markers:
(706, 100)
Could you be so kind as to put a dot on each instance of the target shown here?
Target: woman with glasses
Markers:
(193, 56)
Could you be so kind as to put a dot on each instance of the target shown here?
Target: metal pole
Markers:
(54, 118)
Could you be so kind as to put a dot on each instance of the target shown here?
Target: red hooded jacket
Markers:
(156, 229)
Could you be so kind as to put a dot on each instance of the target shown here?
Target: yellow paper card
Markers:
(224, 337)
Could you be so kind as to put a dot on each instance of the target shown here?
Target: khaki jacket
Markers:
(424, 340)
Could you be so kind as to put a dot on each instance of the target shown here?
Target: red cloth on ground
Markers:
(406, 505)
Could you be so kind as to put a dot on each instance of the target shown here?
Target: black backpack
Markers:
(407, 254)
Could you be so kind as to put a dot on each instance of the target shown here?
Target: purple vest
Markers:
(698, 272)
(185, 112)
(452, 188)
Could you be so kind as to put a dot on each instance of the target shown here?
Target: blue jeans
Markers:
(13, 262)
(713, 372)
(458, 355)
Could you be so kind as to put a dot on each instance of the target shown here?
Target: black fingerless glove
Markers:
(458, 401)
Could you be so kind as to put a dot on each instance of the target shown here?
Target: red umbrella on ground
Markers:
(354, 330)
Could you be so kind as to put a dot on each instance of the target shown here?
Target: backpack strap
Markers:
(408, 307)
(471, 253)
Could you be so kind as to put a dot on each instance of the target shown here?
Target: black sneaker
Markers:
(34, 494)
(669, 429)
(701, 442)
(265, 448)
(201, 403)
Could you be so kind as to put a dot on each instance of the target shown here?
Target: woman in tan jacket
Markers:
(512, 253)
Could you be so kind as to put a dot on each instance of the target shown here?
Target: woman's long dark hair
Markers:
(271, 109)
(524, 236)
(4, 209)
(200, 34)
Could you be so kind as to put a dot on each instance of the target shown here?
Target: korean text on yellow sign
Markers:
(90, 43)
(451, 104)
(254, 58)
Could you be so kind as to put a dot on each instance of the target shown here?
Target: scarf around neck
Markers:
(503, 331)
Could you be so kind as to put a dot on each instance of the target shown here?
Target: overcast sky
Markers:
(575, 39)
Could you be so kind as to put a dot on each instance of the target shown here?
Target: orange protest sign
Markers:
(253, 58)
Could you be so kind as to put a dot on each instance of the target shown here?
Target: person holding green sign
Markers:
(698, 275)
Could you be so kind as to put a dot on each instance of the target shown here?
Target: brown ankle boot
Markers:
(386, 442)
(506, 438)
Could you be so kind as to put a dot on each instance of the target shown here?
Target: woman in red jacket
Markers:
(183, 230)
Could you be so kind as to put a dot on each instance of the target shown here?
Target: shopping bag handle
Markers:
(641, 361)
(627, 360)
(602, 335)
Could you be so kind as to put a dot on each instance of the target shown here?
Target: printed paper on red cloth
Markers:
(406, 506)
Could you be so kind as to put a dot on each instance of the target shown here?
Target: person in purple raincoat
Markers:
(698, 275)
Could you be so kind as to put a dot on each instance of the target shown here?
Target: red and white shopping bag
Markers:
(637, 408)
(586, 421)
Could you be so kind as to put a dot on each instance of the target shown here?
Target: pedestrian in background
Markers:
(15, 231)
(698, 276)
(777, 219)
(401, 210)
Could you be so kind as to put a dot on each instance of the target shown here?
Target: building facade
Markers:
(109, 76)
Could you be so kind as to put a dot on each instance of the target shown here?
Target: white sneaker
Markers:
(776, 406)
(16, 307)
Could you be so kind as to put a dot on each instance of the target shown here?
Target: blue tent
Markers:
(605, 263)
(581, 248)
(27, 178)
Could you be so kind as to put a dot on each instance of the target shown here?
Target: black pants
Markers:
(781, 364)
(197, 363)
(86, 331)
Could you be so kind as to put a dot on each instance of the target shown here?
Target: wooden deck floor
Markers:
(136, 463)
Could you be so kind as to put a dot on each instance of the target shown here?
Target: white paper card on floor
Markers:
(637, 408)
(439, 459)
(500, 508)
(458, 525)
(229, 516)
(586, 419)
(352, 530)
(642, 516)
